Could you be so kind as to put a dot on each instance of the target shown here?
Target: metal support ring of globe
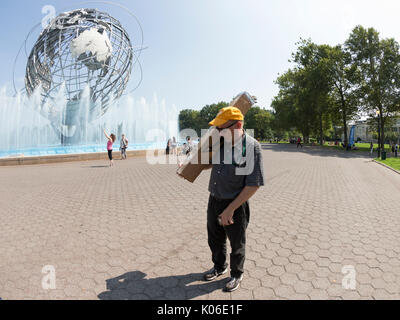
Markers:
(82, 54)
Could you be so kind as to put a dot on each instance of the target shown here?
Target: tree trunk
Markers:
(344, 114)
(346, 138)
(382, 132)
(321, 131)
(306, 137)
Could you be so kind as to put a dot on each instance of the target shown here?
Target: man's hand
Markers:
(226, 217)
(246, 194)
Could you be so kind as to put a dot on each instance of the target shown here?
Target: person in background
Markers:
(111, 139)
(174, 146)
(299, 142)
(396, 149)
(168, 147)
(184, 148)
(123, 146)
(189, 146)
(371, 147)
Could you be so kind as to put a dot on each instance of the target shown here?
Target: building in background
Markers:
(365, 133)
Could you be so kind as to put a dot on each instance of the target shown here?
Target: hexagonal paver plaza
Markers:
(138, 231)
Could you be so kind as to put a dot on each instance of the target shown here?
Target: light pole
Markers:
(379, 133)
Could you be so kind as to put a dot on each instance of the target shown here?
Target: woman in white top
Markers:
(173, 146)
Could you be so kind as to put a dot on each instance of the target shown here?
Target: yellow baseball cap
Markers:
(225, 115)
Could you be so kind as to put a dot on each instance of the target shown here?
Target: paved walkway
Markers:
(138, 231)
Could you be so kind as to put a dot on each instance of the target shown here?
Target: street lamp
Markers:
(379, 133)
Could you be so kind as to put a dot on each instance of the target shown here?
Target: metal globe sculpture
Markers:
(82, 52)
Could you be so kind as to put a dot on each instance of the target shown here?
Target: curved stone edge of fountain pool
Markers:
(45, 159)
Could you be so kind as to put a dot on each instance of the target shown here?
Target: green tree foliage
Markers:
(344, 79)
(198, 120)
(258, 119)
(263, 125)
(290, 108)
(209, 112)
(329, 86)
(313, 65)
(378, 61)
(190, 119)
(303, 102)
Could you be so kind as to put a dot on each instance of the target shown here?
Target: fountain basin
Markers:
(54, 154)
(71, 153)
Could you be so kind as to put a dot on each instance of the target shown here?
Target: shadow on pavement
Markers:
(106, 166)
(134, 286)
(319, 151)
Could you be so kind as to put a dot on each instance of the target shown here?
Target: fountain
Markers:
(24, 131)
(76, 75)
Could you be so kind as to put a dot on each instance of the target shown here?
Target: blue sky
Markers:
(205, 51)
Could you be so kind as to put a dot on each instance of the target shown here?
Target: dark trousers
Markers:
(236, 233)
(123, 153)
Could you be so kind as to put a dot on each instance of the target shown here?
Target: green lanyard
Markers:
(243, 152)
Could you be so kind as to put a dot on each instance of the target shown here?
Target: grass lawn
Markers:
(360, 146)
(391, 162)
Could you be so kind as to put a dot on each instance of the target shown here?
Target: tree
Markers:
(391, 134)
(379, 64)
(263, 124)
(256, 118)
(190, 119)
(303, 101)
(313, 64)
(250, 120)
(290, 107)
(209, 112)
(260, 120)
(344, 77)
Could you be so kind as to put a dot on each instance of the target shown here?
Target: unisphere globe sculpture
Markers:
(82, 53)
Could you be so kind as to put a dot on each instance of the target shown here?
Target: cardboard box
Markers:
(193, 166)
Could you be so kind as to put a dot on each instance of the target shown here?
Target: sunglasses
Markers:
(220, 129)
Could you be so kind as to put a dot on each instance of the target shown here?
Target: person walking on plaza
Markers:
(189, 146)
(111, 139)
(123, 146)
(167, 149)
(174, 146)
(230, 189)
(299, 142)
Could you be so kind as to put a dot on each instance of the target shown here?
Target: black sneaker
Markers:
(233, 284)
(213, 274)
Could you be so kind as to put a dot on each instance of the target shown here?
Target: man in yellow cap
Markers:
(235, 178)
